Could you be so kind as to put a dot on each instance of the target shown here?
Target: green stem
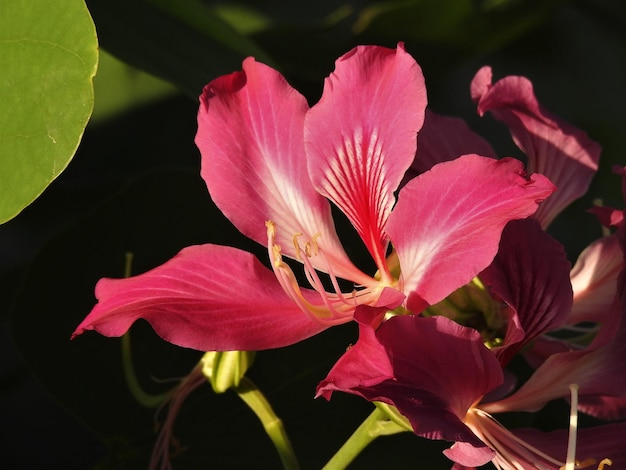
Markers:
(375, 425)
(274, 428)
(145, 399)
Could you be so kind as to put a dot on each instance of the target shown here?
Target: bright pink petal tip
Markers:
(208, 297)
(555, 148)
(361, 136)
(447, 223)
(251, 138)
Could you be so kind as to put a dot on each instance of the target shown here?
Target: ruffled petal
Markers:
(597, 370)
(531, 274)
(603, 407)
(594, 280)
(554, 148)
(409, 353)
(361, 137)
(251, 137)
(208, 297)
(444, 138)
(447, 224)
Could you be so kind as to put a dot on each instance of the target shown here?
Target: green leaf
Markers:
(48, 57)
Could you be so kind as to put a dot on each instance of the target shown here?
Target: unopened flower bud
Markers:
(225, 369)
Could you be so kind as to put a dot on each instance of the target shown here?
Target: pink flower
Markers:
(272, 165)
(553, 147)
(442, 378)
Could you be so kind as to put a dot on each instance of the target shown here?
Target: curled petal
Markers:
(251, 138)
(531, 274)
(597, 370)
(593, 444)
(447, 224)
(208, 297)
(444, 138)
(594, 280)
(361, 136)
(554, 148)
(603, 407)
(400, 363)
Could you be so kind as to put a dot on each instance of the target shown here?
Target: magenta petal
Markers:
(554, 148)
(603, 407)
(467, 456)
(408, 354)
(597, 443)
(597, 371)
(531, 274)
(447, 223)
(444, 138)
(208, 297)
(361, 136)
(251, 137)
(594, 280)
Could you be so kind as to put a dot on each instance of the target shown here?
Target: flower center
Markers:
(336, 307)
(473, 306)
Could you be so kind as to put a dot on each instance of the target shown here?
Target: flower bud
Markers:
(225, 369)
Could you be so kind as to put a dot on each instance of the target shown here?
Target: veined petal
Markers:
(251, 137)
(361, 137)
(603, 407)
(531, 274)
(554, 148)
(208, 297)
(444, 138)
(409, 354)
(447, 224)
(594, 280)
(593, 444)
(597, 370)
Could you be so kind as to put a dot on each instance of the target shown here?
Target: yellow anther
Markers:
(296, 245)
(589, 462)
(311, 248)
(278, 257)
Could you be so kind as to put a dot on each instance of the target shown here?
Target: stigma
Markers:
(329, 308)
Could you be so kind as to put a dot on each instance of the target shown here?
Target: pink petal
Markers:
(444, 138)
(364, 365)
(597, 443)
(542, 348)
(361, 136)
(447, 223)
(468, 457)
(401, 363)
(597, 370)
(531, 274)
(251, 137)
(594, 280)
(608, 216)
(603, 407)
(208, 297)
(554, 148)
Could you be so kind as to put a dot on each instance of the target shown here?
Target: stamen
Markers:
(336, 307)
(508, 446)
(570, 462)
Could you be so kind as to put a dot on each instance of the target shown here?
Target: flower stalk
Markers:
(273, 425)
(376, 424)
